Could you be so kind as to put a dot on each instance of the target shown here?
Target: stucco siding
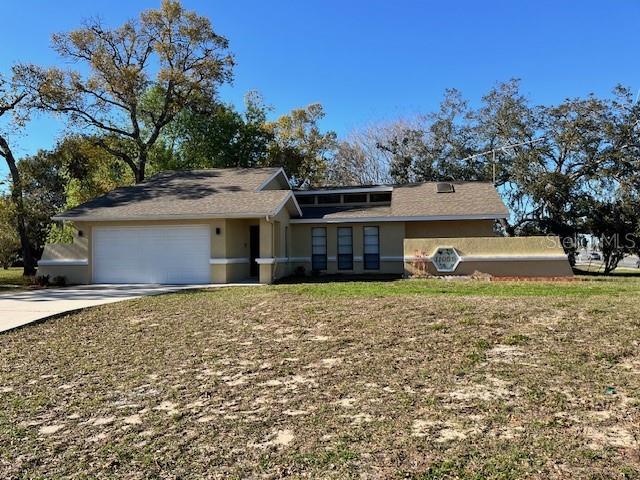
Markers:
(229, 241)
(285, 246)
(73, 274)
(70, 261)
(275, 245)
(391, 247)
(512, 268)
(450, 228)
(497, 256)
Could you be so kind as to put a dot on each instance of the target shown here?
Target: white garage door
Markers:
(164, 255)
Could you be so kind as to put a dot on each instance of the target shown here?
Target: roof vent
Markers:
(444, 187)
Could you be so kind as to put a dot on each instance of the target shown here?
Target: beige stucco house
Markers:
(231, 225)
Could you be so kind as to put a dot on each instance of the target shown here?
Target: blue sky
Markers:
(373, 60)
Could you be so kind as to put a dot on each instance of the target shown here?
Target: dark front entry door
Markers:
(254, 249)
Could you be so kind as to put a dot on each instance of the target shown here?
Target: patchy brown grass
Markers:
(280, 381)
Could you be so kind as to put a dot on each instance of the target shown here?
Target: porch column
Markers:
(219, 250)
(266, 251)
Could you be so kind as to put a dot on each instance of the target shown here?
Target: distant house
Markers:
(231, 225)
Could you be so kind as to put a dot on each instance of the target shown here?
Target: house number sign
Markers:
(445, 259)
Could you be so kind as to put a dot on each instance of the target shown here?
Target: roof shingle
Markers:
(197, 193)
(420, 200)
(468, 198)
(236, 192)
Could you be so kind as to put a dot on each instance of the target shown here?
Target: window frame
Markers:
(367, 257)
(322, 257)
(380, 197)
(344, 256)
(306, 200)
(349, 198)
(329, 199)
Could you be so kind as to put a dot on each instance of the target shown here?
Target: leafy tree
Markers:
(44, 186)
(212, 134)
(545, 182)
(86, 171)
(615, 225)
(14, 109)
(216, 135)
(623, 133)
(550, 180)
(613, 215)
(446, 144)
(300, 147)
(141, 76)
(9, 240)
(433, 147)
(89, 170)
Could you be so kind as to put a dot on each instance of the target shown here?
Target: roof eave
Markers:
(390, 218)
(289, 197)
(337, 190)
(204, 216)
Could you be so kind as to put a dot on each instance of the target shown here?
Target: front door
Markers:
(254, 249)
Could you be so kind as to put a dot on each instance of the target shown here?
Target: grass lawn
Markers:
(406, 379)
(12, 278)
(586, 269)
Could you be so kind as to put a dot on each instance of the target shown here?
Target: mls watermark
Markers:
(628, 242)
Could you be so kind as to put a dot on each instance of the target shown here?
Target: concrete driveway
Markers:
(25, 306)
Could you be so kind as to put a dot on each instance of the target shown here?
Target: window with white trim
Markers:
(345, 248)
(371, 255)
(318, 248)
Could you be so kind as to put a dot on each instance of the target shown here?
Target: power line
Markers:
(503, 149)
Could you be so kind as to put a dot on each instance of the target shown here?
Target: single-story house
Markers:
(231, 225)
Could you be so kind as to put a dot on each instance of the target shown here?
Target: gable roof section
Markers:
(419, 201)
(215, 193)
(278, 180)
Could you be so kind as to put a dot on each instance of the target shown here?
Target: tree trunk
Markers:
(142, 164)
(17, 197)
(611, 263)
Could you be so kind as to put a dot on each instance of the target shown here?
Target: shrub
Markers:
(59, 281)
(477, 275)
(419, 267)
(42, 280)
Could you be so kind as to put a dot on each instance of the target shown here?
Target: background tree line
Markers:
(576, 175)
(144, 98)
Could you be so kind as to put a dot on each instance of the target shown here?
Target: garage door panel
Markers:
(169, 255)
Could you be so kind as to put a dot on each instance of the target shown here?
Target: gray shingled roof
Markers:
(198, 193)
(469, 199)
(234, 192)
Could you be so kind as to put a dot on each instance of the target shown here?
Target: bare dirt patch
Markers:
(615, 436)
(506, 353)
(50, 429)
(490, 389)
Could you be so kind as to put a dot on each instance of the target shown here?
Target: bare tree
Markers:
(360, 160)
